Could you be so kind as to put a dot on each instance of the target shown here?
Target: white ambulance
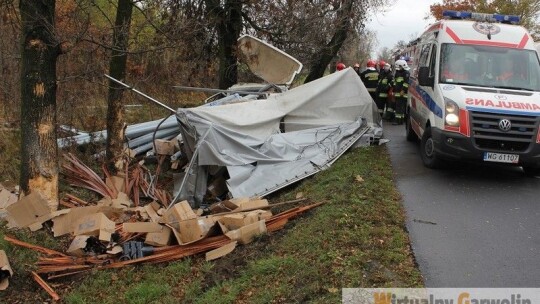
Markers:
(475, 92)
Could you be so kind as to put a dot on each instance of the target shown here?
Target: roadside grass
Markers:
(356, 239)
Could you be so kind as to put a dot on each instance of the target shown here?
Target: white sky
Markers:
(400, 21)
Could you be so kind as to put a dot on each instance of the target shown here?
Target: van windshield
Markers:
(489, 66)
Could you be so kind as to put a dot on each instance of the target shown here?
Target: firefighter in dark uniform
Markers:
(401, 90)
(383, 89)
(370, 77)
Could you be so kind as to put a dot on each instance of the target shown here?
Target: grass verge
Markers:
(356, 239)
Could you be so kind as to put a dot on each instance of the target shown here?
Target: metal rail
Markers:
(141, 93)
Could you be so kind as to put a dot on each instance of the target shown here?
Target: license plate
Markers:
(501, 158)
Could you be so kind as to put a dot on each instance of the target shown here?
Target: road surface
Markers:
(470, 225)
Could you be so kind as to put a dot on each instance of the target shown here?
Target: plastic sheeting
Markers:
(268, 144)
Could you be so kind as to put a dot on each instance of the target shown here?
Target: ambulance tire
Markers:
(531, 171)
(427, 151)
(411, 136)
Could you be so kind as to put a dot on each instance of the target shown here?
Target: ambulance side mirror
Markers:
(423, 77)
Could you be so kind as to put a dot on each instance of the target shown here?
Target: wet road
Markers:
(470, 225)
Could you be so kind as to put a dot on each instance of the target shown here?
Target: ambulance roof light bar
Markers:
(481, 17)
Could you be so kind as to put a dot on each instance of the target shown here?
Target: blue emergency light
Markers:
(481, 17)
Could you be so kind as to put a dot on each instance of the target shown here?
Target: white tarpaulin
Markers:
(267, 144)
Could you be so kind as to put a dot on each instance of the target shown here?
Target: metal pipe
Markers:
(141, 93)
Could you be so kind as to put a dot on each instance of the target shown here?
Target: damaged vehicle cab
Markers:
(475, 92)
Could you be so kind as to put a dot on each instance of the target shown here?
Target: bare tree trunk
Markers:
(39, 164)
(117, 69)
(228, 23)
(332, 48)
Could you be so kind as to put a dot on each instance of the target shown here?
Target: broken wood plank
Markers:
(45, 286)
(33, 247)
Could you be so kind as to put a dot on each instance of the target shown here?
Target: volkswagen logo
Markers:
(505, 125)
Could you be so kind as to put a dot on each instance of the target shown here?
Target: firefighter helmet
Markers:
(382, 63)
(356, 65)
(371, 63)
(340, 66)
(401, 65)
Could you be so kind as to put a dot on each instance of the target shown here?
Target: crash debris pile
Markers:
(114, 232)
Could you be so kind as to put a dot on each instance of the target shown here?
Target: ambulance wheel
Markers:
(411, 136)
(531, 171)
(427, 151)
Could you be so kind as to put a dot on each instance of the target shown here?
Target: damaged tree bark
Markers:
(117, 69)
(39, 163)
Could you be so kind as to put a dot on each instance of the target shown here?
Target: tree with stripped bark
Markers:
(117, 69)
(40, 51)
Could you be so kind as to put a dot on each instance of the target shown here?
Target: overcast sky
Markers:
(400, 21)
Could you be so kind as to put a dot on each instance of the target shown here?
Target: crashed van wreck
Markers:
(251, 143)
(260, 146)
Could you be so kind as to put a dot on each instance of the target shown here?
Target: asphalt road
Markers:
(470, 225)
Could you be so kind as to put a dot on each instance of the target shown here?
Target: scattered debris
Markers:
(211, 166)
(5, 271)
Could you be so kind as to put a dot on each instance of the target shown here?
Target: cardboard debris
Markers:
(7, 198)
(238, 204)
(38, 224)
(5, 270)
(194, 229)
(76, 248)
(160, 238)
(105, 201)
(122, 201)
(246, 234)
(250, 204)
(141, 227)
(152, 213)
(221, 251)
(66, 223)
(164, 147)
(26, 211)
(116, 182)
(97, 225)
(179, 212)
(237, 220)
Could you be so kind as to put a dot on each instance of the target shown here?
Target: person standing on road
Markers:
(370, 78)
(401, 90)
(384, 85)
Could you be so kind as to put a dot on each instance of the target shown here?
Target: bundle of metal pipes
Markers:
(139, 136)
